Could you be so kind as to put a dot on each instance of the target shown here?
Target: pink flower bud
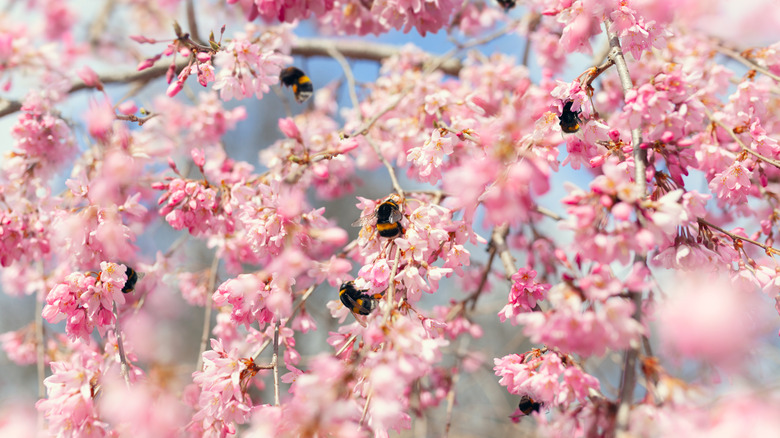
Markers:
(198, 156)
(203, 57)
(348, 145)
(89, 77)
(172, 165)
(146, 63)
(288, 128)
(622, 211)
(320, 170)
(596, 161)
(174, 89)
(127, 107)
(142, 39)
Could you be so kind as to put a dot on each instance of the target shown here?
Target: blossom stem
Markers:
(292, 315)
(204, 336)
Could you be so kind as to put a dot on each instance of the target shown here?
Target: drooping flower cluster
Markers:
(223, 400)
(525, 293)
(549, 378)
(86, 301)
(70, 408)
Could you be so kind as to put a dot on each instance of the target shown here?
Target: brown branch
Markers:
(499, 240)
(192, 22)
(360, 50)
(10, 106)
(303, 47)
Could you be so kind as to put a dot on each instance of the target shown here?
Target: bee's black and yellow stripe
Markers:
(569, 120)
(132, 278)
(357, 300)
(386, 225)
(300, 83)
(528, 405)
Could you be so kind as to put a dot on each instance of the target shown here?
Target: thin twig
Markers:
(275, 362)
(768, 249)
(365, 407)
(284, 324)
(124, 368)
(388, 166)
(739, 142)
(451, 403)
(350, 77)
(749, 63)
(204, 336)
(346, 345)
(549, 213)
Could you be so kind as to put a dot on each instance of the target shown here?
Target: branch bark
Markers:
(628, 379)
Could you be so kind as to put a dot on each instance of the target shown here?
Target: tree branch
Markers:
(628, 379)
(749, 63)
(204, 336)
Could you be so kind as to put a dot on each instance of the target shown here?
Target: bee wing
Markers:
(365, 220)
(396, 216)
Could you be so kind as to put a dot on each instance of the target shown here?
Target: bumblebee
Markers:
(569, 120)
(357, 300)
(507, 4)
(132, 278)
(300, 83)
(387, 218)
(528, 405)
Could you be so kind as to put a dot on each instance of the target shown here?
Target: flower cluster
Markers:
(86, 301)
(549, 378)
(70, 408)
(223, 401)
(524, 294)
